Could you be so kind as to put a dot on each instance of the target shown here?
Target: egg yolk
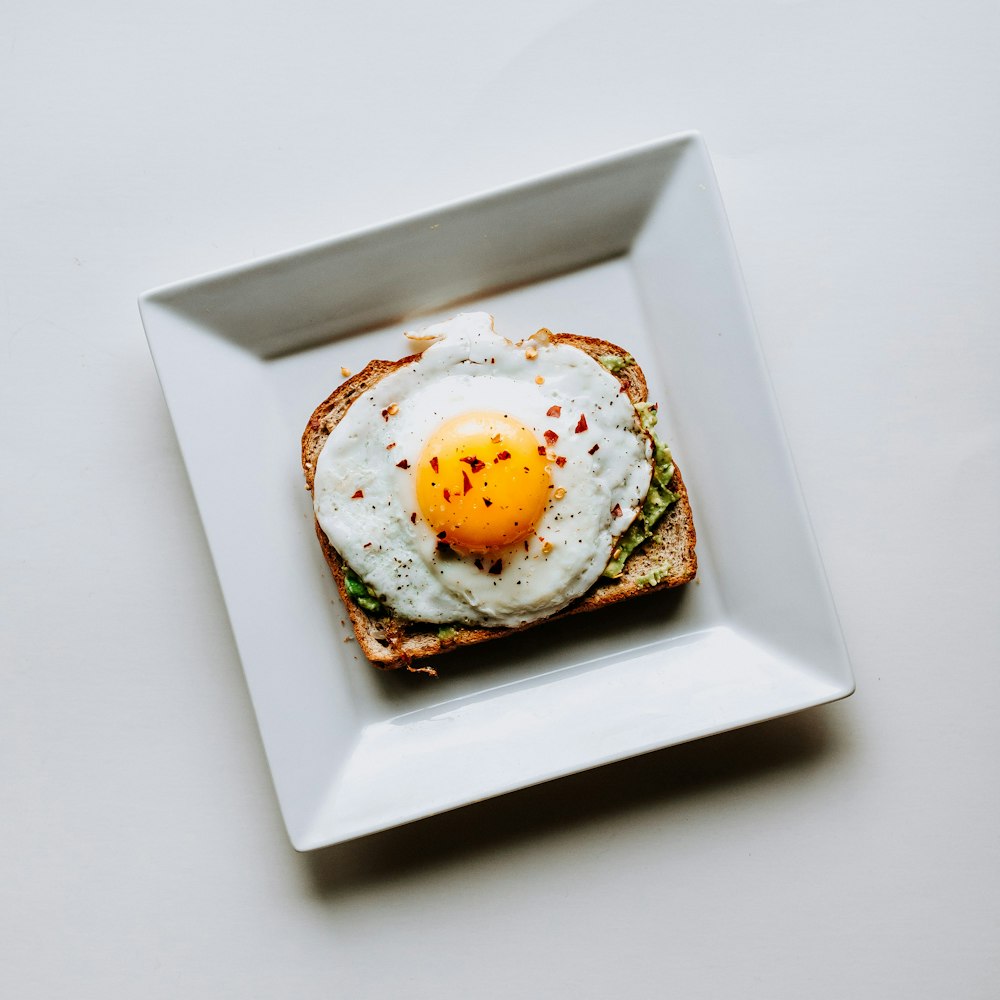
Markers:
(482, 481)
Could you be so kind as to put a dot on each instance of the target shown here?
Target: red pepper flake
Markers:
(561, 461)
(497, 568)
(447, 495)
(551, 437)
(592, 450)
(403, 465)
(367, 545)
(541, 449)
(581, 424)
(489, 503)
(616, 511)
(442, 534)
(478, 564)
(434, 463)
(466, 483)
(525, 545)
(553, 411)
(502, 456)
(390, 446)
(473, 463)
(359, 495)
(413, 518)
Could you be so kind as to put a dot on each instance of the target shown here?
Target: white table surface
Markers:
(848, 851)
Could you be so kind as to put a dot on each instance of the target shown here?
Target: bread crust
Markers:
(391, 643)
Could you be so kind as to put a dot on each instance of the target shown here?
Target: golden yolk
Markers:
(482, 481)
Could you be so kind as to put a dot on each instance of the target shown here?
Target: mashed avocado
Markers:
(615, 362)
(654, 576)
(362, 595)
(658, 499)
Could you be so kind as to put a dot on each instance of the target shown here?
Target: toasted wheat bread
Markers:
(392, 643)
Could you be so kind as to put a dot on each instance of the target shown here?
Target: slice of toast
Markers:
(390, 642)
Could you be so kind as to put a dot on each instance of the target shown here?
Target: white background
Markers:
(848, 851)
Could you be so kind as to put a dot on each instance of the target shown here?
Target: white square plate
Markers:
(634, 248)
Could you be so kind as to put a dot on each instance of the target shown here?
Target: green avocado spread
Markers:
(362, 595)
(658, 499)
(615, 362)
(654, 576)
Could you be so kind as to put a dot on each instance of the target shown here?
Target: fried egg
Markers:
(486, 482)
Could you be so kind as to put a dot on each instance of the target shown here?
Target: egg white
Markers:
(471, 368)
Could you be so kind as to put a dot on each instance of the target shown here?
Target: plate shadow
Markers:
(659, 780)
